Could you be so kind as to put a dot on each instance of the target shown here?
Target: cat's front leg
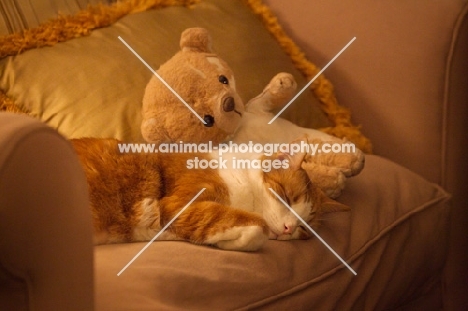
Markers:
(240, 238)
(212, 223)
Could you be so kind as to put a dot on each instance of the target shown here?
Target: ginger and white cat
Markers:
(133, 196)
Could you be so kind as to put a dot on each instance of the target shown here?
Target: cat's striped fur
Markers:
(133, 196)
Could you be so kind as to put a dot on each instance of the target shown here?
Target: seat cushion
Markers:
(394, 213)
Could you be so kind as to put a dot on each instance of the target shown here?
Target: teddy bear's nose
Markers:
(229, 104)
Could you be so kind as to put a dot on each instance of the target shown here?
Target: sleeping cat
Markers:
(133, 196)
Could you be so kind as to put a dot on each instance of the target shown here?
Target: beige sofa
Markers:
(404, 79)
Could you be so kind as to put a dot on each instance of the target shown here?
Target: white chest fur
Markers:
(246, 188)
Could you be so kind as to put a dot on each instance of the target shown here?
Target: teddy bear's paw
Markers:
(280, 90)
(355, 158)
(331, 180)
(358, 163)
(282, 86)
(349, 163)
(275, 95)
(336, 185)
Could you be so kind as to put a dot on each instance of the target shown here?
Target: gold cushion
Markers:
(93, 85)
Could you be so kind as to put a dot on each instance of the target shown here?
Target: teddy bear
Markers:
(202, 81)
(207, 85)
(327, 170)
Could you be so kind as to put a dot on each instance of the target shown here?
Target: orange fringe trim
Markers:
(81, 24)
(8, 105)
(323, 89)
(69, 27)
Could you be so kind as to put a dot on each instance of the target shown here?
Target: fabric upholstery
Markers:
(46, 254)
(405, 79)
(393, 75)
(93, 86)
(393, 238)
(456, 167)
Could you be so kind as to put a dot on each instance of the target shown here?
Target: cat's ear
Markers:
(329, 205)
(296, 153)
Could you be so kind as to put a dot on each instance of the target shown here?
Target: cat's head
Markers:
(294, 187)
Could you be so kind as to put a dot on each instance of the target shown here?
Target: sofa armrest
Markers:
(46, 250)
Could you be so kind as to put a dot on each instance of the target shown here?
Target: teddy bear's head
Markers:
(205, 82)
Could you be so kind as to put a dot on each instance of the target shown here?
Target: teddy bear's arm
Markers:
(275, 95)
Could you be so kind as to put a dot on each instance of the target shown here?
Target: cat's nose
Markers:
(288, 229)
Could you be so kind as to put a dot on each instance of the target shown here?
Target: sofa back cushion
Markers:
(400, 76)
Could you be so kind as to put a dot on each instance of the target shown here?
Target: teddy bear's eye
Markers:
(209, 120)
(223, 79)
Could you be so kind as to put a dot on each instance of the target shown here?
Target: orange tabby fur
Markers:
(132, 196)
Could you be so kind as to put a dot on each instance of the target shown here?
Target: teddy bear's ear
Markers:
(196, 40)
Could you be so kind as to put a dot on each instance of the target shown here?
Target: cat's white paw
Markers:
(248, 238)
